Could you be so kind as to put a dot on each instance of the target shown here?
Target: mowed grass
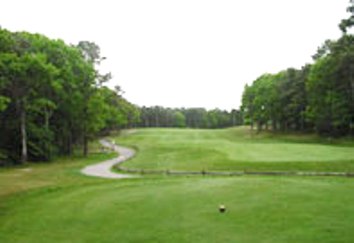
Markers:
(236, 149)
(259, 209)
(55, 203)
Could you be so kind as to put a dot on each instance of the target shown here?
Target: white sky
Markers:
(185, 53)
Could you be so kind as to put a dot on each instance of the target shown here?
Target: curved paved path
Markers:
(103, 169)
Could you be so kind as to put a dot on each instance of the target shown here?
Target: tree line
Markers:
(53, 100)
(52, 97)
(158, 116)
(318, 97)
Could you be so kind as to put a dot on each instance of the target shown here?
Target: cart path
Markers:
(103, 169)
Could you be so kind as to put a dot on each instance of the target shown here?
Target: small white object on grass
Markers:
(222, 208)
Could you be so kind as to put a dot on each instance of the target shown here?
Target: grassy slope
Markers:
(61, 173)
(54, 203)
(236, 149)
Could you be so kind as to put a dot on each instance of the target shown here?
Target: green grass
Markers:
(55, 203)
(61, 172)
(259, 209)
(236, 149)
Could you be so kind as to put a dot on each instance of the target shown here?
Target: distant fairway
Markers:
(55, 203)
(235, 149)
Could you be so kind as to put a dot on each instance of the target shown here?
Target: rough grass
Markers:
(236, 149)
(64, 171)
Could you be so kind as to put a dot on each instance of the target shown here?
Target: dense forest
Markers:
(318, 97)
(158, 116)
(52, 98)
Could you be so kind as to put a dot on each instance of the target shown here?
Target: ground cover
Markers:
(236, 149)
(259, 209)
(55, 203)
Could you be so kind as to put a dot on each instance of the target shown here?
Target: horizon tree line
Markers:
(158, 116)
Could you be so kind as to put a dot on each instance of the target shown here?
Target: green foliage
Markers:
(317, 98)
(330, 89)
(51, 96)
(179, 119)
(4, 101)
(347, 23)
(192, 117)
(278, 100)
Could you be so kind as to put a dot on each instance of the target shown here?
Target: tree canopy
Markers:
(51, 97)
(158, 116)
(318, 97)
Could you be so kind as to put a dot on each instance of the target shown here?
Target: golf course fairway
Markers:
(55, 203)
(235, 149)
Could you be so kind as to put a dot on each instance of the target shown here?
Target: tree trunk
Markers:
(70, 144)
(274, 125)
(46, 119)
(24, 154)
(259, 126)
(233, 119)
(156, 120)
(85, 129)
(85, 145)
(302, 122)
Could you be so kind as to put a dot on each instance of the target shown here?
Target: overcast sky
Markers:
(185, 53)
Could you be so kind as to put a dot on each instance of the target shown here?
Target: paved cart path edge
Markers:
(103, 169)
